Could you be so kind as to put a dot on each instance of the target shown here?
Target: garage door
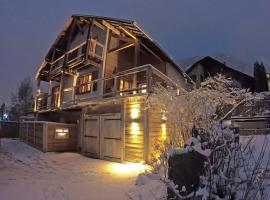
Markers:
(103, 136)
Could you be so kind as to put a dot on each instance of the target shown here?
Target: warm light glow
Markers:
(128, 168)
(135, 111)
(121, 86)
(135, 128)
(163, 132)
(144, 90)
(75, 80)
(61, 133)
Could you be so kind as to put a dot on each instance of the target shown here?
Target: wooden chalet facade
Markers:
(98, 74)
(209, 67)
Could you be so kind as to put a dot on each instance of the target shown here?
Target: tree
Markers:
(260, 82)
(2, 110)
(22, 101)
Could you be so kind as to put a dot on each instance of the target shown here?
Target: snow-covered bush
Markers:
(231, 171)
(185, 110)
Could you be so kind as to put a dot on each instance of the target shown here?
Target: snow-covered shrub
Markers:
(232, 171)
(193, 121)
(185, 110)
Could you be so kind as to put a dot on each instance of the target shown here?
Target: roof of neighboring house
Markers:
(222, 64)
(132, 27)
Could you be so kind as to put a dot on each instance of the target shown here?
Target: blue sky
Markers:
(185, 28)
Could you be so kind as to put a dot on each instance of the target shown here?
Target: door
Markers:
(92, 136)
(103, 136)
(111, 137)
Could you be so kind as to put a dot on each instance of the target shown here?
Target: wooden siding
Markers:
(157, 130)
(41, 135)
(32, 133)
(134, 129)
(9, 129)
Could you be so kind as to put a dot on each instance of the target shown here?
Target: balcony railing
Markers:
(41, 102)
(132, 82)
(79, 55)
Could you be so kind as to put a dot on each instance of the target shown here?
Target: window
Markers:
(84, 83)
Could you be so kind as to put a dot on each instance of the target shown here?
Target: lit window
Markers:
(84, 84)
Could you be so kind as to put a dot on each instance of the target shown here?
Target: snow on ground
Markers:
(26, 173)
(151, 188)
(259, 144)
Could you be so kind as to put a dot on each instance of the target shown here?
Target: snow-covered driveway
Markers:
(26, 173)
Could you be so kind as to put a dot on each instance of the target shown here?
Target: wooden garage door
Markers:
(92, 136)
(103, 137)
(111, 137)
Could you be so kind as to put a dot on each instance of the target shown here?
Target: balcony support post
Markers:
(89, 34)
(136, 62)
(149, 79)
(64, 67)
(102, 71)
(37, 93)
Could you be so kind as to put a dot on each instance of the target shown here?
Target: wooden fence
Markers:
(49, 136)
(252, 125)
(9, 129)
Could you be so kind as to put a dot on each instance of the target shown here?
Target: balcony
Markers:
(133, 82)
(77, 57)
(41, 102)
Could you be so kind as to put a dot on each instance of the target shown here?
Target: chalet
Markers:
(268, 80)
(208, 67)
(98, 74)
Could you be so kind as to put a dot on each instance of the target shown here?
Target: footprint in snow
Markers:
(55, 192)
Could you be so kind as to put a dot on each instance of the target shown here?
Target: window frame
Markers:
(86, 83)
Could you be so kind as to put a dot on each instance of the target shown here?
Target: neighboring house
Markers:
(98, 73)
(209, 67)
(268, 79)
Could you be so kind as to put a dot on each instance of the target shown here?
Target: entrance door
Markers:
(103, 137)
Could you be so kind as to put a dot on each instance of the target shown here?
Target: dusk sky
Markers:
(185, 28)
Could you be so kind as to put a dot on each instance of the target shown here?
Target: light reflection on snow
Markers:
(127, 168)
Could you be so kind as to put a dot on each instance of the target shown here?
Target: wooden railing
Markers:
(132, 82)
(88, 50)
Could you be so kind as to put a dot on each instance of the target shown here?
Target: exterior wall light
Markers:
(61, 133)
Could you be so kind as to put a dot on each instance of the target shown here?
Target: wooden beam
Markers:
(136, 53)
(112, 28)
(121, 47)
(128, 32)
(136, 61)
(89, 33)
(151, 52)
(85, 21)
(98, 24)
(105, 49)
(64, 67)
(125, 39)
